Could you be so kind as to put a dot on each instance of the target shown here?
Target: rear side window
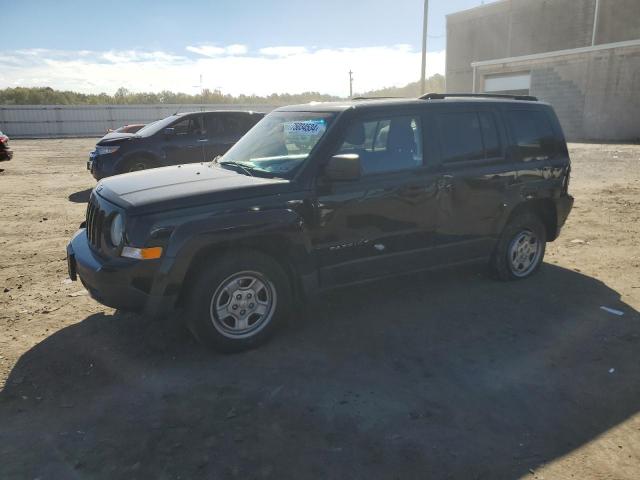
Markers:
(490, 136)
(533, 134)
(234, 126)
(228, 125)
(213, 125)
(460, 136)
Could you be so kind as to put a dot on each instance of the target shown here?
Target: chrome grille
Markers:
(95, 222)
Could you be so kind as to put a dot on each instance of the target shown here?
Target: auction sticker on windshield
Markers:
(305, 127)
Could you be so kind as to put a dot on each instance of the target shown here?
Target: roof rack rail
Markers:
(374, 98)
(442, 96)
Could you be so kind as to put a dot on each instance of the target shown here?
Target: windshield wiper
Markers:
(244, 168)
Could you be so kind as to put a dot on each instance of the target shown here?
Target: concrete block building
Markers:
(582, 56)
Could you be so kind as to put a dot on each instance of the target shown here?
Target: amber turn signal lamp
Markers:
(149, 253)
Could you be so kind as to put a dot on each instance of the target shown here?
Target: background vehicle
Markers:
(181, 138)
(133, 128)
(5, 152)
(320, 196)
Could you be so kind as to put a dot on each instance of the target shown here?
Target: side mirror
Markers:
(169, 132)
(343, 167)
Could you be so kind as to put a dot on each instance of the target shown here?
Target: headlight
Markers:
(100, 150)
(116, 232)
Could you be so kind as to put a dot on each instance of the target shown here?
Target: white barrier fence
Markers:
(52, 121)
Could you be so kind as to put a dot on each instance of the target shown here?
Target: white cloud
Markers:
(127, 56)
(233, 68)
(207, 50)
(237, 49)
(282, 51)
(215, 51)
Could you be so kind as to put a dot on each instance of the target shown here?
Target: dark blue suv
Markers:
(180, 138)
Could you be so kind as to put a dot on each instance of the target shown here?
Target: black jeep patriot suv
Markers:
(322, 195)
(181, 138)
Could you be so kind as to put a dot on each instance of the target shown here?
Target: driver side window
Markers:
(188, 127)
(385, 144)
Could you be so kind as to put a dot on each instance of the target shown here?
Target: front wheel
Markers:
(137, 164)
(520, 249)
(237, 302)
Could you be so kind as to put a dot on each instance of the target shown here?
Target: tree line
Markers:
(49, 96)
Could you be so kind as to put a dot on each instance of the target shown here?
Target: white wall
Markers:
(50, 121)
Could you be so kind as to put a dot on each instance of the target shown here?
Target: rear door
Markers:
(382, 223)
(185, 145)
(477, 177)
(223, 130)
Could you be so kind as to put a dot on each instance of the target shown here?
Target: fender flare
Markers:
(277, 230)
(545, 206)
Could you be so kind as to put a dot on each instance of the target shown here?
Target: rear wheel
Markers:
(237, 302)
(520, 249)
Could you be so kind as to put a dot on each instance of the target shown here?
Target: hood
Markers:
(179, 186)
(114, 137)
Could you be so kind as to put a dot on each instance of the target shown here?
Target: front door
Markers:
(382, 223)
(186, 143)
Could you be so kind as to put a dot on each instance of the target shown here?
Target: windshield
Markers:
(279, 143)
(155, 127)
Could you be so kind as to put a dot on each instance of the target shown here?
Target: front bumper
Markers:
(6, 154)
(99, 166)
(123, 284)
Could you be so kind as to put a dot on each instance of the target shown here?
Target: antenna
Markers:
(350, 84)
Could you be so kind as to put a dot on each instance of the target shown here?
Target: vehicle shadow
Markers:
(439, 375)
(81, 196)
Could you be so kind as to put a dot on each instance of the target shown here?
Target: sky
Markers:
(241, 46)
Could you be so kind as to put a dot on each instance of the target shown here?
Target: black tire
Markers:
(137, 164)
(504, 262)
(225, 334)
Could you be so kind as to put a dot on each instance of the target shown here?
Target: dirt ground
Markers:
(440, 375)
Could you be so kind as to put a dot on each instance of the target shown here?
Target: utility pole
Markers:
(199, 87)
(350, 84)
(595, 23)
(424, 46)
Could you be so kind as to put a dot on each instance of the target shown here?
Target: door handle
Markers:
(203, 140)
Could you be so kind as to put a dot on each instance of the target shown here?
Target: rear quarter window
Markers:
(533, 134)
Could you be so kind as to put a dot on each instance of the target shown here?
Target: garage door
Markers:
(514, 83)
